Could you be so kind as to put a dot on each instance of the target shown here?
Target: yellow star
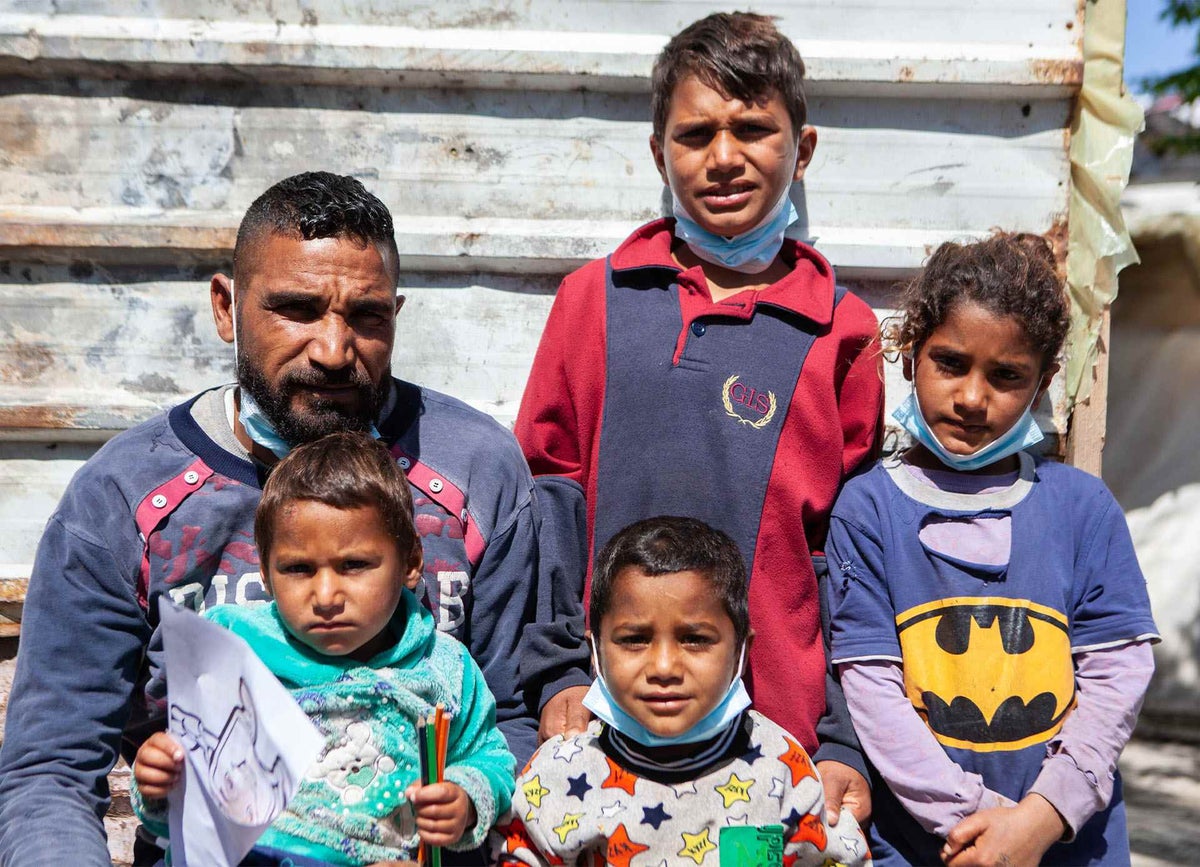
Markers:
(696, 846)
(535, 791)
(570, 823)
(735, 790)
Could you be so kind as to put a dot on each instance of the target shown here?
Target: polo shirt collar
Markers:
(807, 290)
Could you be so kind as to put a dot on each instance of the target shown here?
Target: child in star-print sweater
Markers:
(676, 770)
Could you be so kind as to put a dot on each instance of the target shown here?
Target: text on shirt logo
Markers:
(735, 394)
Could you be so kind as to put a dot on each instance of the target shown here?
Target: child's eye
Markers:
(697, 640)
(293, 568)
(632, 640)
(356, 565)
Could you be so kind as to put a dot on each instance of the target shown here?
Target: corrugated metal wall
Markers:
(509, 139)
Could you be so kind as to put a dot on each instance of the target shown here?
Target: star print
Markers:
(792, 819)
(688, 788)
(696, 846)
(737, 820)
(534, 791)
(612, 809)
(618, 777)
(579, 786)
(568, 750)
(797, 761)
(622, 850)
(810, 830)
(654, 816)
(753, 754)
(570, 823)
(777, 788)
(735, 790)
(515, 836)
(852, 844)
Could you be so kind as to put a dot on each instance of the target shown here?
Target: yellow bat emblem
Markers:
(988, 673)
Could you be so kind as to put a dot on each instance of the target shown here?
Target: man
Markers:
(167, 508)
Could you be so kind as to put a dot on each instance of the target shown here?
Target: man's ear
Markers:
(220, 293)
(805, 147)
(1044, 385)
(400, 299)
(416, 566)
(660, 159)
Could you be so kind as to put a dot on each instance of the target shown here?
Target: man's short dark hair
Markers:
(660, 546)
(314, 205)
(740, 54)
(346, 470)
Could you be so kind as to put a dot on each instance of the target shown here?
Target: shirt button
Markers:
(435, 485)
(405, 463)
(191, 476)
(159, 501)
(698, 328)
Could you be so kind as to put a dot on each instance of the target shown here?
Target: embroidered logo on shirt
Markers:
(748, 405)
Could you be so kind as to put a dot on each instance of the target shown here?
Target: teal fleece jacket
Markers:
(350, 808)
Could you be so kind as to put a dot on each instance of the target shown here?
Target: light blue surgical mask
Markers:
(1023, 434)
(254, 421)
(751, 252)
(727, 712)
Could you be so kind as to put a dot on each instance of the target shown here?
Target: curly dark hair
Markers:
(314, 205)
(662, 545)
(1008, 274)
(740, 54)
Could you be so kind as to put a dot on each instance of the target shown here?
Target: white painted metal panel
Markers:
(510, 141)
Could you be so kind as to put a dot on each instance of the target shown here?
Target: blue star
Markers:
(792, 819)
(579, 787)
(753, 754)
(654, 816)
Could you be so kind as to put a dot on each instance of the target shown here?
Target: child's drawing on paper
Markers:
(249, 788)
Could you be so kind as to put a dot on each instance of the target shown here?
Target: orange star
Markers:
(810, 830)
(618, 778)
(797, 760)
(622, 850)
(516, 836)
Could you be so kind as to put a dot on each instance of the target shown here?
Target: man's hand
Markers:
(564, 714)
(1005, 836)
(844, 787)
(158, 765)
(444, 812)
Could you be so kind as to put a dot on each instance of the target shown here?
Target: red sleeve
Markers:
(559, 418)
(860, 392)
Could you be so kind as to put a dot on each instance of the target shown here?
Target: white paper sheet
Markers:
(247, 742)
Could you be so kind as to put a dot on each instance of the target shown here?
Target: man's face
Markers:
(315, 324)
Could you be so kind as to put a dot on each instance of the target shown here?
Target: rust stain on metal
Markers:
(12, 590)
(1057, 71)
(907, 73)
(27, 362)
(39, 417)
(1057, 235)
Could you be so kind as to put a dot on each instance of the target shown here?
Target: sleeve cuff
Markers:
(573, 676)
(1069, 790)
(833, 752)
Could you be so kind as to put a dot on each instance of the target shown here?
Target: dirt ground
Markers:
(1162, 796)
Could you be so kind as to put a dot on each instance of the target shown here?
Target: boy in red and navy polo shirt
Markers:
(710, 368)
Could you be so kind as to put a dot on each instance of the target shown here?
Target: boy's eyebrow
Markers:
(284, 297)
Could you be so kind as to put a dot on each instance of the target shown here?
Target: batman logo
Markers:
(988, 673)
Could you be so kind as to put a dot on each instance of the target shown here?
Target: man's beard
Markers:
(319, 416)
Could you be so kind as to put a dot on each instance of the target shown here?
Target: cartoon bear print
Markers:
(351, 765)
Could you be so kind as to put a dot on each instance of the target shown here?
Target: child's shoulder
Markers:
(1073, 487)
(864, 489)
(561, 756)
